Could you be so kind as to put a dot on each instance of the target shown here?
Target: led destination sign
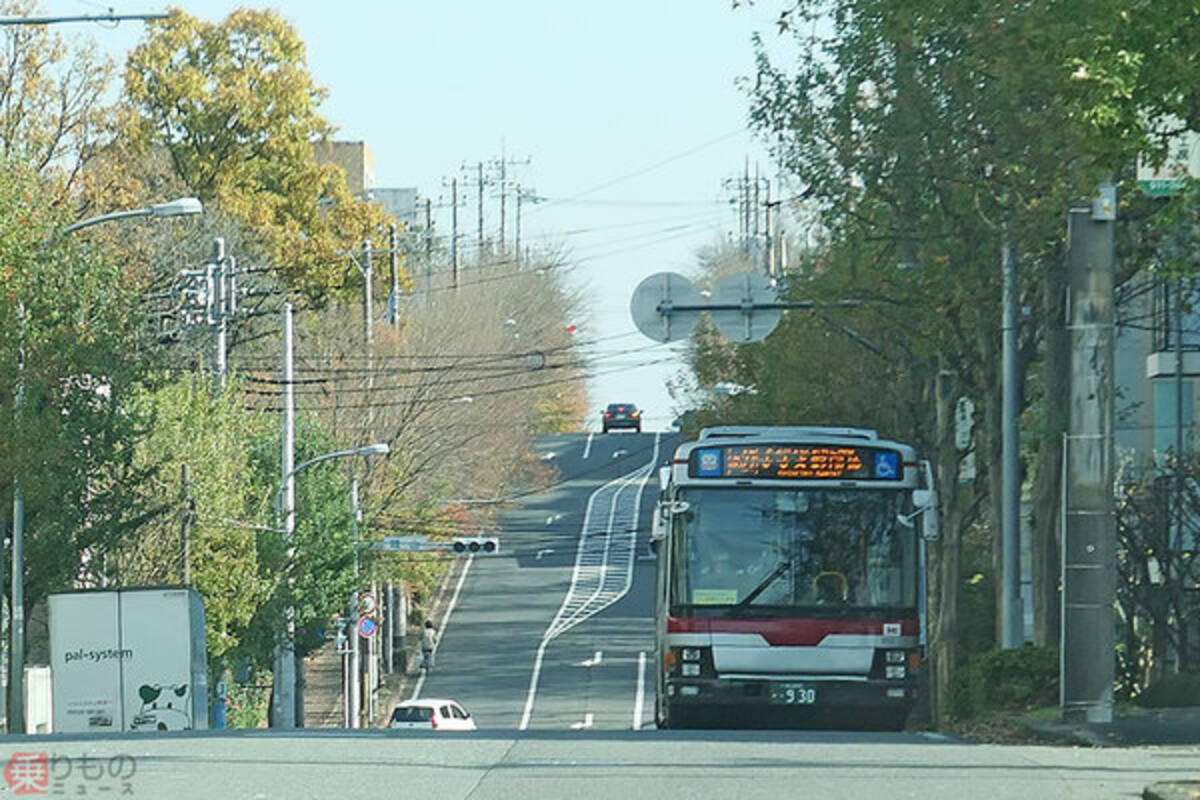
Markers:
(796, 462)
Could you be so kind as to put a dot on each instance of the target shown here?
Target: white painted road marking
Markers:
(545, 551)
(594, 584)
(587, 448)
(445, 620)
(594, 660)
(587, 722)
(639, 699)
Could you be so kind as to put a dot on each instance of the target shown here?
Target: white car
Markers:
(432, 713)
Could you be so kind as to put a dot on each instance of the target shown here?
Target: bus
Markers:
(791, 582)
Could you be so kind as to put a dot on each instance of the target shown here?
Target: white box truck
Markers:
(128, 660)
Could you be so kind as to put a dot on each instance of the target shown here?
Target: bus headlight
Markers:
(689, 653)
(894, 671)
(689, 670)
(895, 656)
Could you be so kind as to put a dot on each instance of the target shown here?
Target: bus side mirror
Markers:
(926, 503)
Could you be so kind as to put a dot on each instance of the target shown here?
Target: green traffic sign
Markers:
(1162, 187)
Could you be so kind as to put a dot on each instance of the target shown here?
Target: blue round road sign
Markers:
(367, 627)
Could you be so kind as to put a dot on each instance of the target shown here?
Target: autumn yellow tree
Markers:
(233, 106)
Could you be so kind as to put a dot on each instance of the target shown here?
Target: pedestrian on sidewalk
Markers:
(428, 642)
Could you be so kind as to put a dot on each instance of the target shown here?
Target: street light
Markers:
(180, 207)
(184, 206)
(285, 652)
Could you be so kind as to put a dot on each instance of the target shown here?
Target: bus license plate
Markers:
(794, 694)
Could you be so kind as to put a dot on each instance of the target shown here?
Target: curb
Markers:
(1172, 790)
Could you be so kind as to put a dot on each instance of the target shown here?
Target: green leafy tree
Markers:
(928, 135)
(71, 361)
(216, 508)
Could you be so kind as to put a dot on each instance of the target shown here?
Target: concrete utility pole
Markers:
(501, 166)
(480, 183)
(186, 517)
(1089, 526)
(394, 264)
(367, 291)
(428, 236)
(1012, 618)
(220, 299)
(354, 667)
(285, 673)
(454, 232)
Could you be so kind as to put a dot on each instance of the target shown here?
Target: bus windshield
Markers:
(824, 550)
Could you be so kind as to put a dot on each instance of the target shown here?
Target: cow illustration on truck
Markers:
(159, 711)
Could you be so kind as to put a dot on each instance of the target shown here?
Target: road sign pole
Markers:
(355, 693)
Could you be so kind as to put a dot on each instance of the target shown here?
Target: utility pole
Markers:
(501, 166)
(367, 291)
(221, 277)
(394, 265)
(428, 235)
(390, 610)
(187, 516)
(1089, 525)
(1012, 628)
(217, 300)
(454, 232)
(285, 658)
(354, 668)
(522, 195)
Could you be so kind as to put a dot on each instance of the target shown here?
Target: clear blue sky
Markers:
(627, 111)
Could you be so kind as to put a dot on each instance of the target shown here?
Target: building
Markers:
(355, 159)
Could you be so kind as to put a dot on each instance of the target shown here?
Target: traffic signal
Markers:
(475, 544)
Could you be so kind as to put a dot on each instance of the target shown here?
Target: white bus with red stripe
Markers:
(791, 578)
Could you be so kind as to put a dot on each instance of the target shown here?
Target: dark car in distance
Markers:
(621, 415)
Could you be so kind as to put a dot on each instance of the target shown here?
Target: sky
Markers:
(626, 113)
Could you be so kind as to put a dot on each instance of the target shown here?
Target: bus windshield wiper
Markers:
(778, 572)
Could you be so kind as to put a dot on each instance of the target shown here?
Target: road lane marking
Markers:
(584, 569)
(445, 620)
(545, 551)
(587, 448)
(639, 699)
(594, 661)
(587, 722)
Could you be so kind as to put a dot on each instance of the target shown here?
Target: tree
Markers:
(51, 114)
(209, 533)
(235, 109)
(71, 360)
(929, 135)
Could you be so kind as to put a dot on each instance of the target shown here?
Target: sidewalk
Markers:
(1158, 726)
(1142, 728)
(323, 691)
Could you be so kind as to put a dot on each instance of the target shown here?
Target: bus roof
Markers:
(787, 432)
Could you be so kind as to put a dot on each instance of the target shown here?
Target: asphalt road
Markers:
(569, 599)
(585, 625)
(588, 764)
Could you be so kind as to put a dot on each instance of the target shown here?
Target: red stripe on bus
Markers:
(789, 632)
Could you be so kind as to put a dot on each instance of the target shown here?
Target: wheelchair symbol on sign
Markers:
(886, 465)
